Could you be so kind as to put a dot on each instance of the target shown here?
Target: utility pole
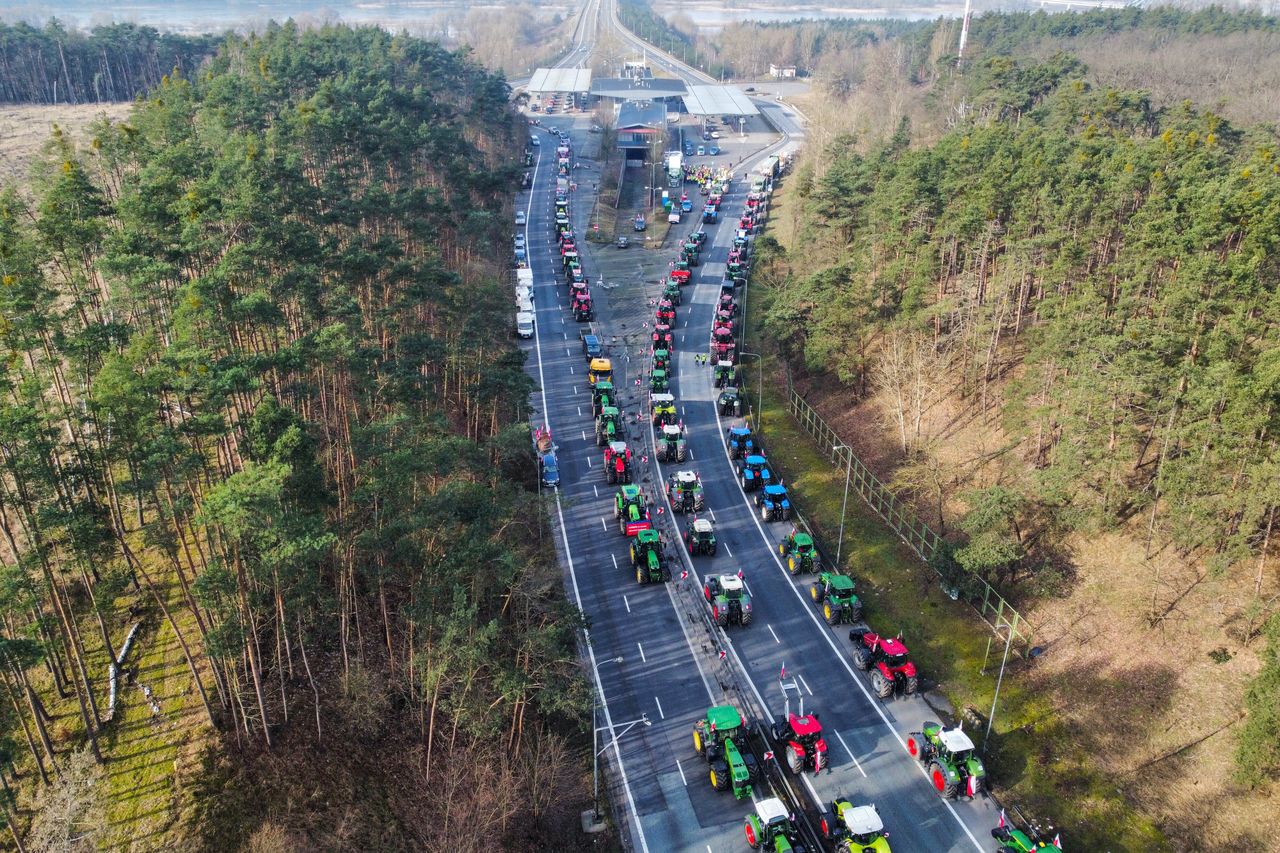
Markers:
(760, 390)
(964, 31)
(991, 718)
(848, 458)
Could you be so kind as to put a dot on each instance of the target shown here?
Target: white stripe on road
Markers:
(643, 659)
(726, 549)
(604, 524)
(775, 636)
(805, 683)
(684, 780)
(659, 704)
(851, 755)
(624, 598)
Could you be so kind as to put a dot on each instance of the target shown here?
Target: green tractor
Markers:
(854, 829)
(1032, 840)
(772, 829)
(953, 763)
(647, 559)
(608, 425)
(662, 360)
(700, 538)
(631, 510)
(663, 408)
(729, 403)
(728, 599)
(684, 490)
(671, 444)
(725, 375)
(602, 395)
(834, 592)
(721, 739)
(672, 291)
(658, 381)
(690, 253)
(800, 553)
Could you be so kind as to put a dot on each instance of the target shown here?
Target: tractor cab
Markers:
(682, 265)
(726, 304)
(722, 343)
(860, 827)
(671, 444)
(740, 242)
(601, 368)
(888, 661)
(608, 425)
(800, 553)
(662, 337)
(741, 442)
(662, 359)
(582, 310)
(663, 407)
(951, 760)
(754, 472)
(671, 291)
(689, 253)
(773, 503)
(721, 739)
(684, 490)
(726, 376)
(728, 599)
(698, 238)
(681, 276)
(799, 738)
(724, 318)
(771, 828)
(647, 558)
(729, 403)
(666, 313)
(700, 538)
(631, 510)
(569, 258)
(658, 381)
(617, 462)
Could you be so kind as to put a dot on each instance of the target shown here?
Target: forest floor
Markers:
(25, 128)
(1125, 723)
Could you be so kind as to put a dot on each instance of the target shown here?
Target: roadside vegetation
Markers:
(258, 425)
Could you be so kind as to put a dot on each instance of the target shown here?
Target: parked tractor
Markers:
(727, 305)
(608, 425)
(666, 312)
(753, 472)
(728, 599)
(684, 490)
(658, 382)
(709, 214)
(723, 318)
(698, 238)
(680, 276)
(773, 503)
(617, 463)
(663, 338)
(689, 253)
(672, 291)
(953, 763)
(855, 829)
(700, 538)
(1014, 840)
(888, 661)
(798, 550)
(601, 396)
(647, 558)
(723, 346)
(721, 739)
(671, 444)
(662, 360)
(582, 310)
(799, 738)
(663, 408)
(725, 375)
(741, 442)
(631, 510)
(834, 593)
(772, 829)
(729, 403)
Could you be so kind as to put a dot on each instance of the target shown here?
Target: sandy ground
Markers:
(25, 128)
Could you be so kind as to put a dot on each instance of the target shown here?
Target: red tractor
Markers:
(722, 344)
(663, 338)
(666, 312)
(680, 277)
(887, 659)
(727, 305)
(800, 739)
(724, 319)
(617, 463)
(582, 310)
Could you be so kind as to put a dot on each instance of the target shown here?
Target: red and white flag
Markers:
(1057, 841)
(783, 673)
(1000, 825)
(722, 654)
(739, 574)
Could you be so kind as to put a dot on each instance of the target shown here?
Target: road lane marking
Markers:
(571, 368)
(851, 755)
(726, 549)
(643, 659)
(685, 781)
(615, 562)
(805, 683)
(593, 488)
(712, 513)
(775, 636)
(604, 524)
(584, 438)
(659, 704)
(624, 598)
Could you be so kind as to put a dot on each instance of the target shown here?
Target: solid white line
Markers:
(643, 659)
(851, 755)
(805, 683)
(659, 704)
(775, 635)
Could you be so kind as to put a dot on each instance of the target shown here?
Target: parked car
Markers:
(622, 242)
(715, 134)
(520, 218)
(524, 324)
(550, 470)
(702, 150)
(535, 141)
(519, 241)
(713, 150)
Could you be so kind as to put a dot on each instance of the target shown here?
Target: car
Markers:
(702, 151)
(750, 89)
(622, 242)
(591, 346)
(550, 470)
(524, 324)
(706, 135)
(535, 141)
(553, 130)
(713, 150)
(520, 218)
(519, 241)
(715, 134)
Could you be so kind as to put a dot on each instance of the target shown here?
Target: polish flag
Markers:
(783, 673)
(1000, 825)
(739, 574)
(1057, 841)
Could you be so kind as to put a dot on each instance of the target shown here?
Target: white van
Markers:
(524, 306)
(523, 294)
(535, 141)
(520, 220)
(524, 324)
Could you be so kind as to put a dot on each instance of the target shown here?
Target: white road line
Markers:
(659, 704)
(851, 755)
(615, 560)
(566, 353)
(643, 659)
(584, 438)
(589, 465)
(579, 411)
(604, 524)
(775, 636)
(593, 488)
(571, 368)
(726, 549)
(685, 781)
(712, 513)
(805, 683)
(624, 598)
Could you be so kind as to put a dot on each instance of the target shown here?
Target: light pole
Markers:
(595, 745)
(759, 391)
(991, 718)
(848, 456)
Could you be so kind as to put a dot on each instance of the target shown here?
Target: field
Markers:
(25, 129)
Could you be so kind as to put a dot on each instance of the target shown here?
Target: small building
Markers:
(779, 72)
(641, 124)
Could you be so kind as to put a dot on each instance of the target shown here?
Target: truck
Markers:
(675, 168)
(524, 324)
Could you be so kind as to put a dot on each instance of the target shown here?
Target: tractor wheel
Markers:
(697, 741)
(794, 762)
(682, 454)
(862, 659)
(832, 614)
(782, 548)
(622, 526)
(938, 777)
(688, 543)
(611, 476)
(764, 513)
(915, 745)
(793, 565)
(745, 619)
(855, 612)
(753, 834)
(640, 575)
(816, 593)
(881, 685)
(712, 552)
(721, 616)
(666, 573)
(599, 439)
(786, 515)
(720, 776)
(911, 685)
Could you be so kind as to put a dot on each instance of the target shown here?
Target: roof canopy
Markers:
(560, 80)
(643, 89)
(642, 116)
(717, 101)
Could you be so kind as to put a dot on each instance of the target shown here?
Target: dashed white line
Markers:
(726, 549)
(775, 636)
(571, 368)
(567, 353)
(604, 524)
(584, 438)
(593, 488)
(851, 755)
(643, 659)
(686, 784)
(805, 683)
(712, 513)
(624, 598)
(615, 560)
(659, 704)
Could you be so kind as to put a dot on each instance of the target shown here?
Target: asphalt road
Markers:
(669, 670)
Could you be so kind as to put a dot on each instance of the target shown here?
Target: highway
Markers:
(655, 664)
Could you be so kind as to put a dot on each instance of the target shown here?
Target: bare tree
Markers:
(70, 812)
(911, 373)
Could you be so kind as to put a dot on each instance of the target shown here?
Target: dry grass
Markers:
(24, 129)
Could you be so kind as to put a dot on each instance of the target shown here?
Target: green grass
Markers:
(1034, 757)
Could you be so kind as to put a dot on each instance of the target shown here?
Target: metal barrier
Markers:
(918, 536)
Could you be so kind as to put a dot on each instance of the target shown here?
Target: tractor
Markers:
(721, 739)
(617, 463)
(709, 214)
(729, 403)
(658, 382)
(698, 238)
(854, 829)
(608, 425)
(672, 291)
(680, 276)
(662, 360)
(689, 253)
(582, 310)
(728, 599)
(684, 490)
(663, 337)
(647, 559)
(726, 375)
(800, 553)
(741, 442)
(952, 760)
(834, 592)
(671, 444)
(600, 368)
(700, 538)
(723, 347)
(663, 407)
(1014, 840)
(601, 396)
(773, 503)
(753, 472)
(631, 510)
(726, 304)
(887, 659)
(772, 829)
(666, 312)
(723, 318)
(800, 737)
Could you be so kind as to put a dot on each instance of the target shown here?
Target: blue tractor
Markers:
(774, 504)
(741, 442)
(754, 472)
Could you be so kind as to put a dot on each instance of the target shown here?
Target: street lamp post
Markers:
(595, 740)
(759, 390)
(991, 718)
(848, 457)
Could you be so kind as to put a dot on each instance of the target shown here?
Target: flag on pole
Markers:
(1057, 841)
(783, 674)
(1000, 825)
(739, 574)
